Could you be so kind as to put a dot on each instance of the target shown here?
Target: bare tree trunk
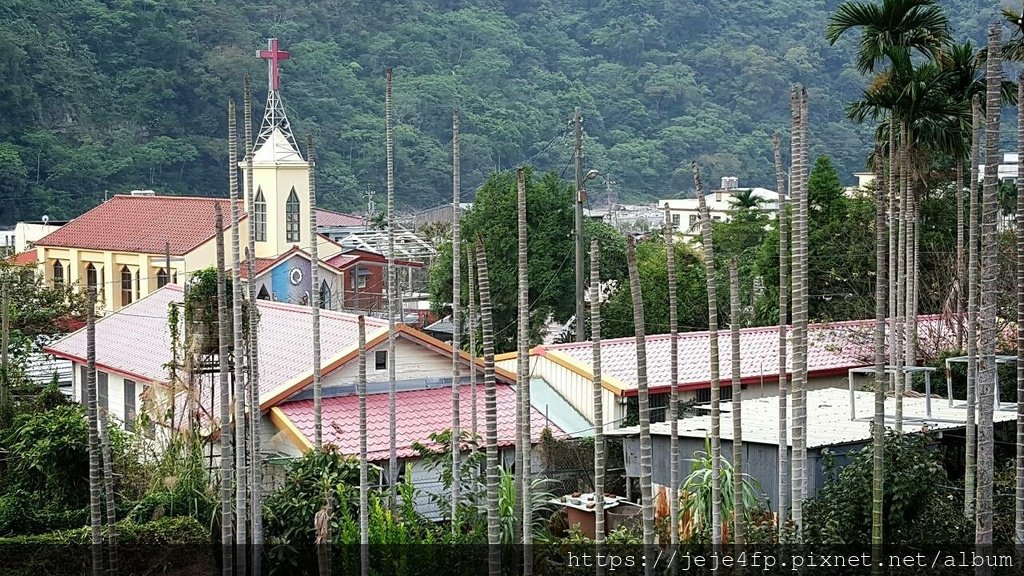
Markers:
(599, 448)
(256, 459)
(973, 277)
(108, 489)
(523, 366)
(800, 361)
(673, 403)
(364, 486)
(878, 429)
(989, 273)
(894, 226)
(784, 288)
(911, 269)
(89, 395)
(456, 323)
(238, 381)
(314, 301)
(226, 517)
(491, 416)
(392, 392)
(901, 278)
(739, 512)
(716, 435)
(646, 491)
(471, 289)
(961, 264)
(799, 316)
(1019, 500)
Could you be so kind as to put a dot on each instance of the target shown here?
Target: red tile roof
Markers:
(24, 258)
(331, 218)
(284, 332)
(142, 224)
(420, 413)
(832, 349)
(259, 265)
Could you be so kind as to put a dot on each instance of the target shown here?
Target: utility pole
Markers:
(5, 343)
(581, 195)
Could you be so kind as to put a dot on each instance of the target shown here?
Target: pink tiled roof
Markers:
(284, 334)
(832, 348)
(142, 224)
(420, 413)
(24, 258)
(330, 218)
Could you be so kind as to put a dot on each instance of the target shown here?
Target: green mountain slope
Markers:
(103, 96)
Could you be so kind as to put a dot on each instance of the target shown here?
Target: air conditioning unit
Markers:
(143, 193)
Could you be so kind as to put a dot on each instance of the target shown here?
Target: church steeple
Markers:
(280, 174)
(275, 142)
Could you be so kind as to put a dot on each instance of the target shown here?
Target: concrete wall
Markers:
(115, 392)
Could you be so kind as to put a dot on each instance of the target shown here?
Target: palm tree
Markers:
(364, 486)
(108, 490)
(255, 490)
(800, 328)
(878, 430)
(971, 431)
(595, 338)
(226, 528)
(716, 438)
(314, 301)
(646, 490)
(392, 392)
(471, 290)
(673, 404)
(739, 535)
(746, 199)
(491, 416)
(241, 497)
(456, 322)
(799, 310)
(89, 394)
(1019, 501)
(989, 272)
(780, 181)
(893, 30)
(523, 366)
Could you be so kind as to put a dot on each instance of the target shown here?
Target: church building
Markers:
(133, 244)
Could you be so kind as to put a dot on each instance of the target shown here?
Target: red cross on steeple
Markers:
(273, 57)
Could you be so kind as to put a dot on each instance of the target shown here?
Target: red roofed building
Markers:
(832, 349)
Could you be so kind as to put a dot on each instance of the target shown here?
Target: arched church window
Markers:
(291, 218)
(126, 286)
(58, 274)
(91, 278)
(259, 216)
(325, 295)
(161, 278)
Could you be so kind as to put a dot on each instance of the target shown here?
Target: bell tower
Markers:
(280, 175)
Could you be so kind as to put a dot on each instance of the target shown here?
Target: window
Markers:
(675, 220)
(101, 391)
(325, 295)
(259, 216)
(161, 278)
(704, 394)
(693, 221)
(263, 295)
(138, 285)
(359, 278)
(129, 405)
(380, 360)
(58, 274)
(91, 277)
(83, 374)
(126, 286)
(291, 218)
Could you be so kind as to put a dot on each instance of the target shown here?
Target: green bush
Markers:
(917, 506)
(158, 546)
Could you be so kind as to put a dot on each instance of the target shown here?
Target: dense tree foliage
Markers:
(102, 97)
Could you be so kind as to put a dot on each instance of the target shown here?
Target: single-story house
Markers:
(133, 351)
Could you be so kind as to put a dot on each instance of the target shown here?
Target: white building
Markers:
(1007, 170)
(721, 204)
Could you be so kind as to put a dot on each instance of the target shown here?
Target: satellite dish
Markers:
(46, 219)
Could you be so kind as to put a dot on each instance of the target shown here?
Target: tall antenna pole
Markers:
(577, 125)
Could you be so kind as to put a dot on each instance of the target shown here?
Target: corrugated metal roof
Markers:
(828, 419)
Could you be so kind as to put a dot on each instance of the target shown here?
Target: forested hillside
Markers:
(103, 96)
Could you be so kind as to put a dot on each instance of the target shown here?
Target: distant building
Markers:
(721, 205)
(1007, 170)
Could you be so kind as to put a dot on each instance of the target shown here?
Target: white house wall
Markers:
(412, 361)
(579, 391)
(115, 392)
